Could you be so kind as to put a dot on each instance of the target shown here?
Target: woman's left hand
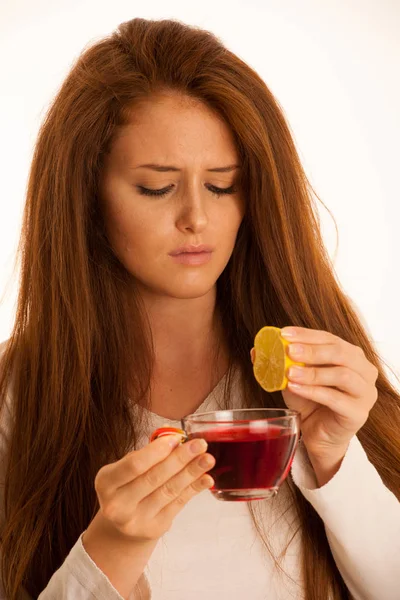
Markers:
(334, 394)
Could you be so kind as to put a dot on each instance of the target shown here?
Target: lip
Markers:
(191, 249)
(192, 258)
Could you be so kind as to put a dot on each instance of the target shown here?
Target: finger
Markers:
(343, 378)
(304, 335)
(170, 511)
(160, 475)
(308, 336)
(172, 489)
(340, 354)
(338, 402)
(135, 463)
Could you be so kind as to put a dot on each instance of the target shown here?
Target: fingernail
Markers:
(295, 386)
(288, 332)
(207, 481)
(296, 372)
(198, 446)
(296, 349)
(206, 461)
(174, 440)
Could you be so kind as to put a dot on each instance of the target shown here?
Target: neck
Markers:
(185, 332)
(191, 355)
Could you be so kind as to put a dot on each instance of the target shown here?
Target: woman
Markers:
(117, 332)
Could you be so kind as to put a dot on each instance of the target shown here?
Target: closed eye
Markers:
(162, 192)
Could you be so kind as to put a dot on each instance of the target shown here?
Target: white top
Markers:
(213, 552)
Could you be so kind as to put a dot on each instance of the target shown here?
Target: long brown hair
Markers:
(70, 355)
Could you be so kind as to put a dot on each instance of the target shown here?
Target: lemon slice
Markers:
(271, 360)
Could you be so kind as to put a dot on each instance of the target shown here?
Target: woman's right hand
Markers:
(140, 494)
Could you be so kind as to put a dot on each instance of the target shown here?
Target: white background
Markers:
(333, 66)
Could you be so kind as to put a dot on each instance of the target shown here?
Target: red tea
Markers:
(251, 456)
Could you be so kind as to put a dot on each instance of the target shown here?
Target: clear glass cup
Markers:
(253, 448)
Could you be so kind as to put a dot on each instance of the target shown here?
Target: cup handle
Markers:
(161, 431)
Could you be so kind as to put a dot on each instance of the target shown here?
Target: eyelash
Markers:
(217, 191)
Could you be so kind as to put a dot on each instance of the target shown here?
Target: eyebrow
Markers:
(164, 168)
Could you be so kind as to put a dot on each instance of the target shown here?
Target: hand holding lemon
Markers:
(333, 390)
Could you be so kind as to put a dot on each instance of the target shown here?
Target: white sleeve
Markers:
(78, 578)
(362, 522)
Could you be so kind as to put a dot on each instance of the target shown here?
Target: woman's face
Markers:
(189, 142)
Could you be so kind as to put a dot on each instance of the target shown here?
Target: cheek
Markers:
(228, 223)
(136, 231)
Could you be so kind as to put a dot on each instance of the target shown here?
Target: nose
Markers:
(192, 212)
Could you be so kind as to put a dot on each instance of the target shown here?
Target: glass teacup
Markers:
(253, 448)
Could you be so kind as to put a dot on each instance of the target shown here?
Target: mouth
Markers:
(192, 258)
(191, 249)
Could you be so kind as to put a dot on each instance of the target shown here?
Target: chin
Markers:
(185, 286)
(182, 288)
(188, 292)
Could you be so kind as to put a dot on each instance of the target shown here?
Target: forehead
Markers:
(174, 129)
